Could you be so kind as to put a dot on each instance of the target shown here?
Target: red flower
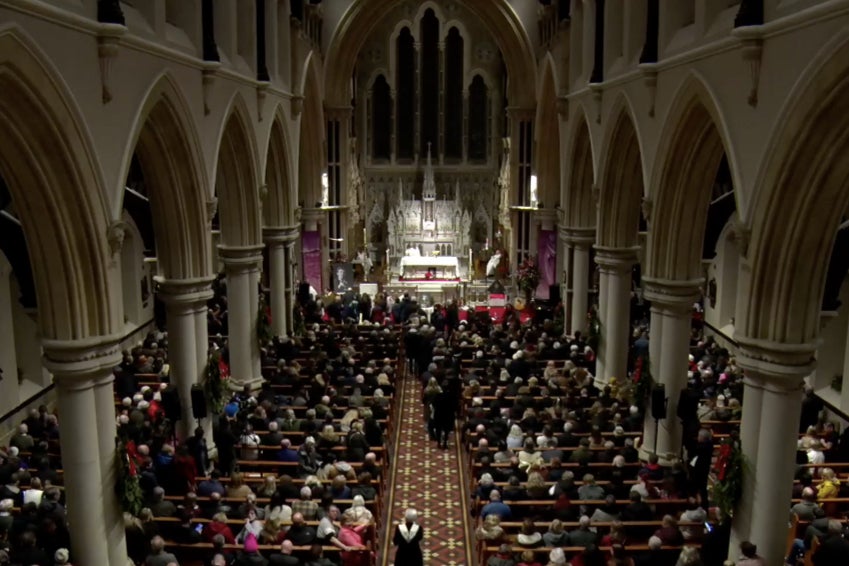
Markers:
(722, 461)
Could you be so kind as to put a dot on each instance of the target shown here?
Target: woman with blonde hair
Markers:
(490, 530)
(829, 488)
(556, 534)
(535, 486)
(238, 489)
(268, 487)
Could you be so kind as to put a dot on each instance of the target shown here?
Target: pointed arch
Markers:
(45, 157)
(547, 128)
(498, 16)
(691, 147)
(279, 205)
(236, 184)
(579, 201)
(311, 156)
(620, 182)
(799, 201)
(167, 146)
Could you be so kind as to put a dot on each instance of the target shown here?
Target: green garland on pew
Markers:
(728, 487)
(215, 386)
(263, 323)
(127, 486)
(593, 329)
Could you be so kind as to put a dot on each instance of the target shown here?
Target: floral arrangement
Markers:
(215, 386)
(593, 329)
(127, 486)
(728, 487)
(263, 322)
(642, 380)
(527, 276)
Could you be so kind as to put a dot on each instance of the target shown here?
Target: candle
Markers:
(365, 239)
(471, 269)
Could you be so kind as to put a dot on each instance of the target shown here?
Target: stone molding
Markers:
(615, 260)
(578, 236)
(776, 360)
(240, 258)
(281, 235)
(82, 363)
(187, 292)
(675, 295)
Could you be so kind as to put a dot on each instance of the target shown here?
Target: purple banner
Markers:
(311, 251)
(546, 262)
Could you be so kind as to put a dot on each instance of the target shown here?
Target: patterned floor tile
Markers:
(429, 479)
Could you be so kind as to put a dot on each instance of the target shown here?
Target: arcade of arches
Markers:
(158, 155)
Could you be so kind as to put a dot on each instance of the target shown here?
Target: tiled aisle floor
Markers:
(430, 480)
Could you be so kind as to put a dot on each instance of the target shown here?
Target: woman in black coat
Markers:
(408, 537)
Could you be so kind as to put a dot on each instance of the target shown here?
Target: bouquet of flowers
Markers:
(728, 487)
(127, 486)
(215, 384)
(527, 276)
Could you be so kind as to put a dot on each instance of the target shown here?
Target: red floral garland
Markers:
(722, 461)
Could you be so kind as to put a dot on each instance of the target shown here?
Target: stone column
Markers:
(581, 240)
(315, 219)
(771, 413)
(566, 287)
(184, 299)
(82, 372)
(291, 281)
(280, 242)
(202, 357)
(241, 265)
(615, 307)
(672, 307)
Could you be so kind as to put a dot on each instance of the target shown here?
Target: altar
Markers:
(417, 267)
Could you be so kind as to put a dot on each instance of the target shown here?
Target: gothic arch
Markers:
(799, 200)
(236, 185)
(620, 180)
(311, 155)
(167, 146)
(691, 147)
(497, 16)
(578, 201)
(547, 128)
(278, 208)
(45, 157)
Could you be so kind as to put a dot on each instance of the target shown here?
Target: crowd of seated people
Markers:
(555, 462)
(299, 472)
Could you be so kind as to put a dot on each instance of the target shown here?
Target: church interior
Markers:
(450, 282)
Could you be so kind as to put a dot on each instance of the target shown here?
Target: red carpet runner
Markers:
(430, 480)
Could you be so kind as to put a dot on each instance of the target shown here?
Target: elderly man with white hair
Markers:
(408, 536)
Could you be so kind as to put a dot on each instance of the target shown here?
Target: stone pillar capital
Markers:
(775, 361)
(615, 260)
(281, 235)
(672, 294)
(84, 362)
(545, 215)
(312, 214)
(578, 237)
(184, 292)
(240, 258)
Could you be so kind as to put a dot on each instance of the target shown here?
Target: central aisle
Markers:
(430, 480)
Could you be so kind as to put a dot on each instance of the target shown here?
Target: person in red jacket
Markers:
(185, 469)
(218, 526)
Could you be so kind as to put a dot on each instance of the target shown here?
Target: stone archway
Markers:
(167, 150)
(237, 189)
(617, 240)
(579, 222)
(45, 160)
(689, 154)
